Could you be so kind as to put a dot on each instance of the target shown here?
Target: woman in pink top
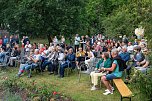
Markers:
(98, 47)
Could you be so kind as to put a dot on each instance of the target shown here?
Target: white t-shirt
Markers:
(27, 47)
(61, 56)
(77, 39)
(130, 48)
(37, 57)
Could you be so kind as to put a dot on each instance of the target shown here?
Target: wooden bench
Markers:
(122, 88)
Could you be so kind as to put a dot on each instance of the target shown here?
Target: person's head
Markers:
(109, 48)
(88, 48)
(82, 37)
(70, 51)
(41, 46)
(77, 35)
(98, 43)
(36, 51)
(80, 49)
(105, 55)
(124, 49)
(27, 42)
(16, 36)
(137, 49)
(86, 36)
(5, 36)
(114, 53)
(129, 43)
(143, 45)
(23, 37)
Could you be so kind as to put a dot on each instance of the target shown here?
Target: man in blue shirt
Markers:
(124, 55)
(69, 62)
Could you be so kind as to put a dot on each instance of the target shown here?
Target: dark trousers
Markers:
(45, 63)
(53, 68)
(76, 48)
(129, 68)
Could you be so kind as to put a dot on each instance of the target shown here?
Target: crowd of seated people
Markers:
(58, 55)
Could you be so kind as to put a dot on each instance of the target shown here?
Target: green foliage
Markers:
(68, 17)
(11, 97)
(143, 84)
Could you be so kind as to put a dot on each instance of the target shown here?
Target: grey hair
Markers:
(114, 51)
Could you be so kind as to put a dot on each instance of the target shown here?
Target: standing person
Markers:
(16, 39)
(62, 39)
(27, 48)
(11, 41)
(55, 40)
(22, 41)
(76, 42)
(125, 39)
(25, 40)
(83, 42)
(5, 40)
(92, 40)
(63, 42)
(1, 41)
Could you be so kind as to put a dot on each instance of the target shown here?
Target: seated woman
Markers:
(116, 72)
(90, 59)
(14, 54)
(105, 62)
(142, 67)
(80, 55)
(137, 58)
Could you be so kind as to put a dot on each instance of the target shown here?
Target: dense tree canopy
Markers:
(42, 17)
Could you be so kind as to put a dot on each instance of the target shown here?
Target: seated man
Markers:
(52, 58)
(138, 57)
(34, 58)
(69, 61)
(80, 55)
(124, 54)
(105, 62)
(142, 67)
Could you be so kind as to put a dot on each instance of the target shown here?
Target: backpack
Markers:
(121, 63)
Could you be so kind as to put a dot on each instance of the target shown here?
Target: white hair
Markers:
(114, 51)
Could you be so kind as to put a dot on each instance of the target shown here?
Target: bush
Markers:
(144, 85)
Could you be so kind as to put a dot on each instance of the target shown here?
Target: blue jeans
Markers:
(63, 66)
(2, 57)
(45, 63)
(27, 67)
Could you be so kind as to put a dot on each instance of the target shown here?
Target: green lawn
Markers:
(69, 86)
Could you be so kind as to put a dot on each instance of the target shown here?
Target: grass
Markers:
(69, 86)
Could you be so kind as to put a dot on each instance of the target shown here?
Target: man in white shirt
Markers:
(130, 47)
(33, 63)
